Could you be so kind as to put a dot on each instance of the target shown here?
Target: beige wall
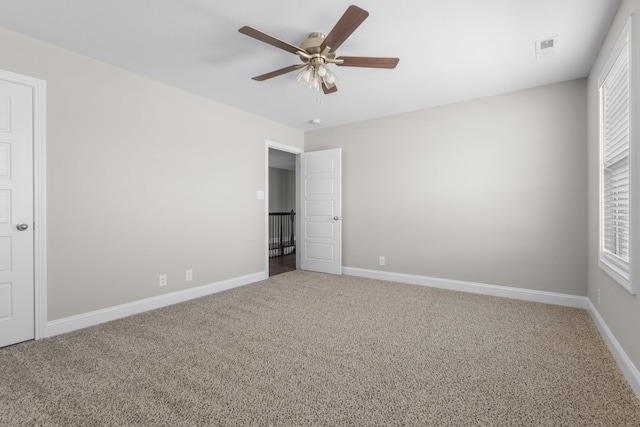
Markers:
(143, 179)
(619, 309)
(488, 191)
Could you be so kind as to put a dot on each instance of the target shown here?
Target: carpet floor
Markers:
(311, 349)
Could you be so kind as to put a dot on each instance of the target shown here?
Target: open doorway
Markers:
(282, 207)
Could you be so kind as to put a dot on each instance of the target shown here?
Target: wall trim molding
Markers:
(475, 288)
(72, 323)
(627, 367)
(289, 149)
(629, 370)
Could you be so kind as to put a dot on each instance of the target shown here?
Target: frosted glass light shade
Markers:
(314, 77)
(306, 75)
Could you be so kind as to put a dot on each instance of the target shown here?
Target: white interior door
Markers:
(321, 211)
(17, 322)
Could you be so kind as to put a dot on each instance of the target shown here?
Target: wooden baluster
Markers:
(281, 245)
(291, 236)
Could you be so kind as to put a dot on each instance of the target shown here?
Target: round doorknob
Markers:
(335, 218)
(22, 227)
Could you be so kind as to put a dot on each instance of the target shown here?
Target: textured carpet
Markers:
(311, 349)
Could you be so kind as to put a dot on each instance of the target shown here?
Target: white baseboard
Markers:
(475, 288)
(626, 365)
(93, 318)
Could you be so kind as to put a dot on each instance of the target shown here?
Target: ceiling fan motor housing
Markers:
(312, 43)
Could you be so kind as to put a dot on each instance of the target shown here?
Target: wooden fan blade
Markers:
(279, 72)
(327, 90)
(266, 38)
(352, 18)
(368, 62)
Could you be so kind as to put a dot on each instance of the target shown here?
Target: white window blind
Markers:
(616, 162)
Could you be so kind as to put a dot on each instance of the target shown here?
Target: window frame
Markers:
(623, 272)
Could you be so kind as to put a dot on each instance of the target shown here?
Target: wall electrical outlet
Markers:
(381, 260)
(188, 275)
(598, 296)
(162, 280)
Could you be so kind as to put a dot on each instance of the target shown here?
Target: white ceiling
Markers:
(449, 51)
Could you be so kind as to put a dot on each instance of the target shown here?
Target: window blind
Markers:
(616, 162)
(616, 116)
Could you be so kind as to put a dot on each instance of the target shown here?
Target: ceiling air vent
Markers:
(546, 48)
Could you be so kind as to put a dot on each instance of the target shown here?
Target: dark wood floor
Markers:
(282, 264)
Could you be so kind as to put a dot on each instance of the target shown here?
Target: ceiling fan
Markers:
(318, 50)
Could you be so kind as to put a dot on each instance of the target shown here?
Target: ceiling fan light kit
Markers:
(316, 74)
(318, 51)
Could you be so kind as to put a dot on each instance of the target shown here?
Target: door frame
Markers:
(39, 90)
(289, 149)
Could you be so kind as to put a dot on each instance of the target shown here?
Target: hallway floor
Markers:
(283, 264)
